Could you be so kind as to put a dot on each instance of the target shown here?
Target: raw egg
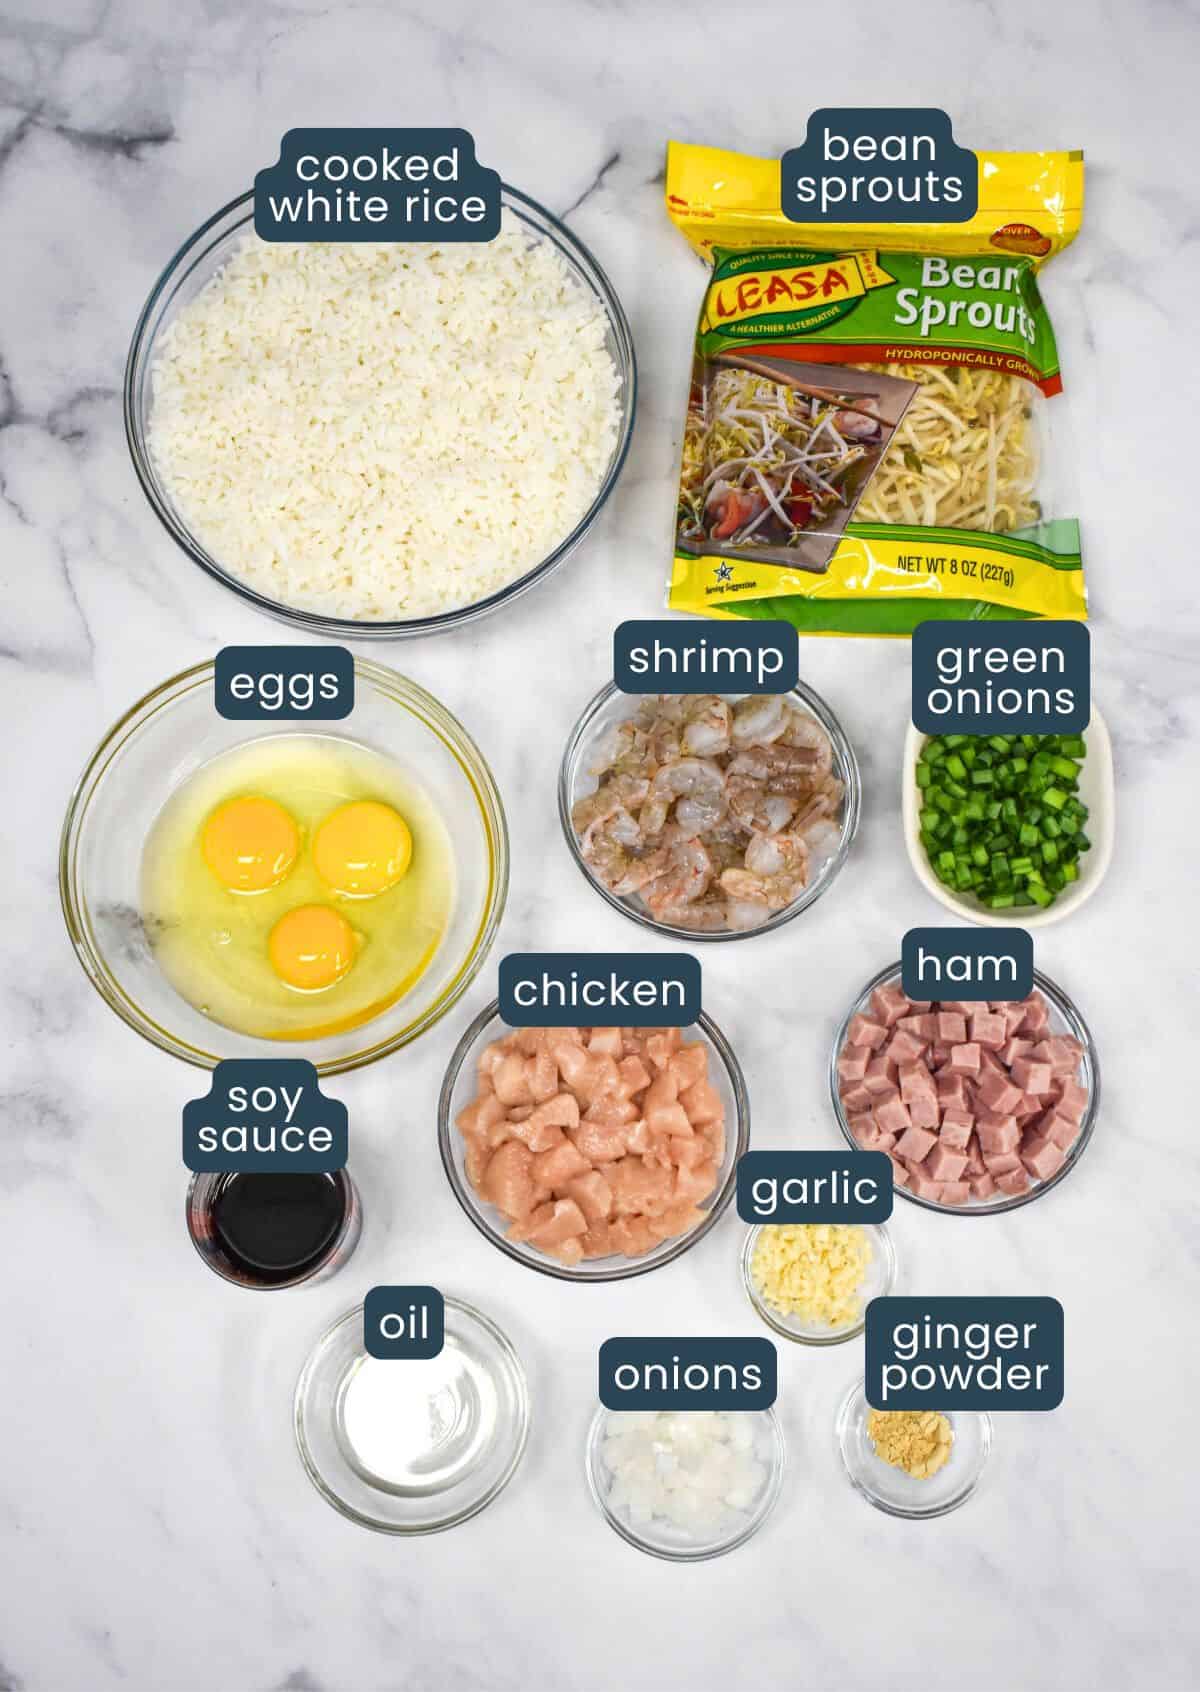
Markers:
(311, 947)
(250, 844)
(362, 849)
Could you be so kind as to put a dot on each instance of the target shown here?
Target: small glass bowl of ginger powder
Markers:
(917, 1441)
(912, 1463)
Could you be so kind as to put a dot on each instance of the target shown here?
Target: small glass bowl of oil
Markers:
(416, 1445)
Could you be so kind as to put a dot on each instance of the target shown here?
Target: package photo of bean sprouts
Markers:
(871, 438)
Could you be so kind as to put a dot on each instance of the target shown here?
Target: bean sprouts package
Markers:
(868, 440)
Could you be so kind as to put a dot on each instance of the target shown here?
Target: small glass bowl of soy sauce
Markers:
(265, 1229)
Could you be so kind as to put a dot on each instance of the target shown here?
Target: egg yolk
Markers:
(250, 844)
(362, 849)
(312, 947)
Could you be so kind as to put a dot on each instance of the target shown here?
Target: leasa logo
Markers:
(794, 288)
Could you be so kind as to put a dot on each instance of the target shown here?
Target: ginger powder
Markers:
(917, 1441)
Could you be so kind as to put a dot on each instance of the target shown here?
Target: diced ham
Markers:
(864, 1032)
(889, 1003)
(1001, 1163)
(998, 1093)
(1041, 1157)
(951, 1091)
(916, 1082)
(1014, 1048)
(951, 1028)
(915, 1144)
(1031, 1076)
(900, 1175)
(892, 1116)
(944, 1163)
(997, 1133)
(852, 1063)
(970, 1098)
(1073, 1101)
(865, 1130)
(924, 1111)
(880, 1076)
(988, 1028)
(924, 1186)
(904, 1048)
(956, 1127)
(1059, 1129)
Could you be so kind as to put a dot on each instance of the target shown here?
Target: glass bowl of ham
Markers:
(709, 816)
(593, 1154)
(981, 1106)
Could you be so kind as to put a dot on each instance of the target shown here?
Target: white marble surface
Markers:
(157, 1531)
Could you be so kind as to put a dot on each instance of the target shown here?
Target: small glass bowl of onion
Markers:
(685, 1485)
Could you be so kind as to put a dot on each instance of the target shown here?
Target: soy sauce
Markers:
(275, 1227)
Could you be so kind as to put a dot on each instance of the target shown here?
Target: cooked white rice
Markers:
(381, 431)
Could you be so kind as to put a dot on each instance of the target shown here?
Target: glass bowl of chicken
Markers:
(709, 816)
(593, 1154)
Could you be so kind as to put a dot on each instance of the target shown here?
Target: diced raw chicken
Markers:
(702, 1103)
(601, 1144)
(592, 1194)
(550, 1224)
(689, 1065)
(635, 1077)
(508, 1183)
(554, 1169)
(511, 1080)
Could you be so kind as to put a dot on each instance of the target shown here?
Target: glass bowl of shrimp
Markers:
(709, 816)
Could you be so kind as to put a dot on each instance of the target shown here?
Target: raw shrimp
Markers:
(707, 731)
(758, 721)
(686, 878)
(711, 813)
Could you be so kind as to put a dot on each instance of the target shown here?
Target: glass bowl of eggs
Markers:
(234, 888)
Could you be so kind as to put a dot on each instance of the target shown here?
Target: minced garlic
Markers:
(813, 1271)
(917, 1441)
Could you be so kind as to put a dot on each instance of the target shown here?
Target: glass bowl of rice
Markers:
(380, 439)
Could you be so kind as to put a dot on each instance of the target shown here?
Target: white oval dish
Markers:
(1097, 793)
